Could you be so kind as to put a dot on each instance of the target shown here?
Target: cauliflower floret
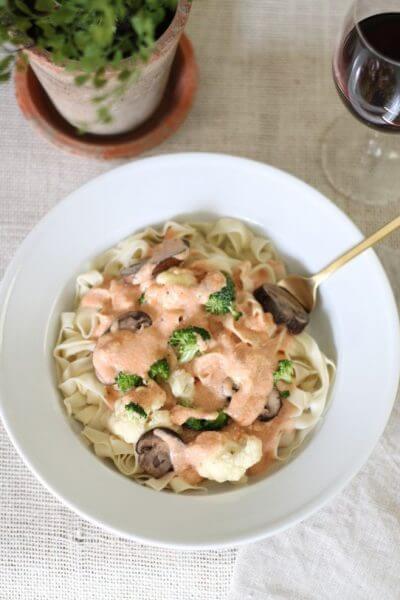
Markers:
(217, 457)
(128, 425)
(160, 418)
(150, 396)
(182, 386)
(177, 276)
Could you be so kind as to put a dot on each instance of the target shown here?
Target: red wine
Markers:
(367, 71)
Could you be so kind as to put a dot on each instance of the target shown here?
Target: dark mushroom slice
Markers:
(153, 453)
(272, 407)
(285, 309)
(170, 253)
(134, 321)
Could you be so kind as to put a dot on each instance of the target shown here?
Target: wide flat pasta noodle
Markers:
(222, 245)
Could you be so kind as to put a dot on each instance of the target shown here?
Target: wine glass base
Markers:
(360, 163)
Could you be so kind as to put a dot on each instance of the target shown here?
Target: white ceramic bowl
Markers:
(356, 324)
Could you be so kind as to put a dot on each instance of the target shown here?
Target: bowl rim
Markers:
(6, 287)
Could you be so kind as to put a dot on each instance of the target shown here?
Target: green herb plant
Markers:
(86, 37)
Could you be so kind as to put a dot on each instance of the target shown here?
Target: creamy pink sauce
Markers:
(147, 396)
(205, 444)
(112, 299)
(180, 414)
(269, 433)
(235, 372)
(180, 457)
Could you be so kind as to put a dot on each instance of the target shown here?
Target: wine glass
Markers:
(362, 162)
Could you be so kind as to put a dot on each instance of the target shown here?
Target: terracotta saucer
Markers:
(178, 99)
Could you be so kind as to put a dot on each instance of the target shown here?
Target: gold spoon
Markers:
(304, 289)
(292, 299)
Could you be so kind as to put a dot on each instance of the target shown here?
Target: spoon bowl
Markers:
(304, 289)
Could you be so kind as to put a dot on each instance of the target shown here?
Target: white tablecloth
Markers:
(266, 93)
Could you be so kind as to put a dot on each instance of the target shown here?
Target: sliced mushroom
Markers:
(133, 269)
(134, 321)
(285, 309)
(169, 248)
(170, 253)
(154, 454)
(272, 407)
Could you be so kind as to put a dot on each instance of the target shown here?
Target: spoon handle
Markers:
(350, 254)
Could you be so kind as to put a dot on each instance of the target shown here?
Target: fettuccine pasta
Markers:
(173, 368)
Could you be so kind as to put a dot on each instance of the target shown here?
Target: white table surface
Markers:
(265, 93)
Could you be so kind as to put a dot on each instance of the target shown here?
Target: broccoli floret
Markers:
(223, 302)
(132, 407)
(160, 370)
(284, 372)
(126, 381)
(185, 402)
(284, 394)
(186, 342)
(142, 299)
(204, 425)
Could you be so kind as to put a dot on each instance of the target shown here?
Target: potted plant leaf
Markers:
(103, 63)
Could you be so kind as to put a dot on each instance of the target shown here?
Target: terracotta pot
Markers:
(139, 101)
(178, 97)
